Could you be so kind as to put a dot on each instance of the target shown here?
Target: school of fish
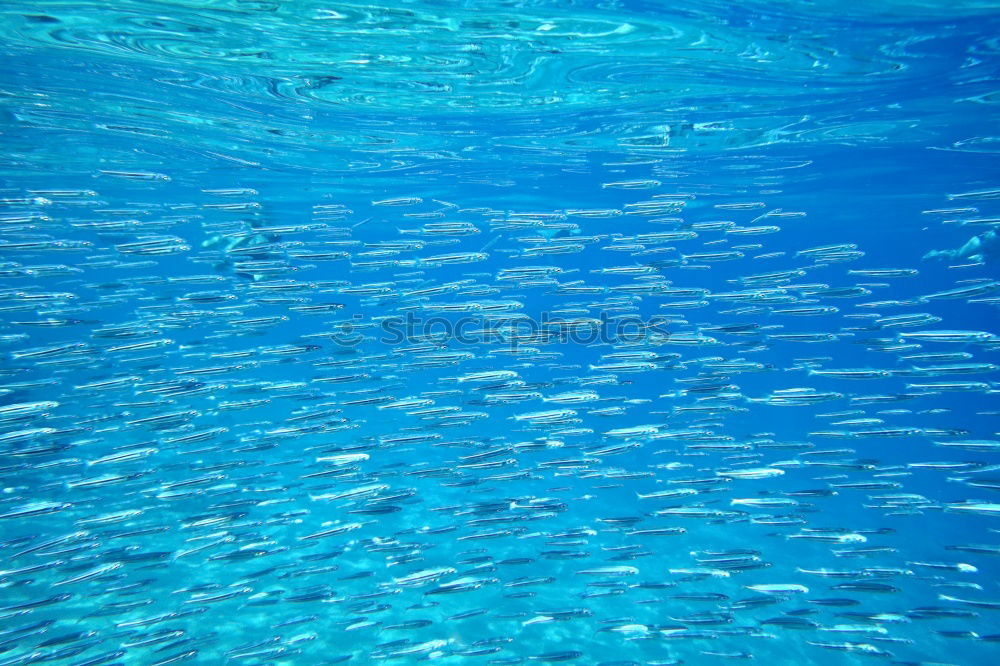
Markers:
(221, 442)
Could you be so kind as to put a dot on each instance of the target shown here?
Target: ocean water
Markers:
(499, 332)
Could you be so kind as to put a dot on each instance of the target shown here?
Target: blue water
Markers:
(217, 217)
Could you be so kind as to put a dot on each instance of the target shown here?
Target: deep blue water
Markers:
(216, 216)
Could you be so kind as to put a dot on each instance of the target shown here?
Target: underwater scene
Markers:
(604, 332)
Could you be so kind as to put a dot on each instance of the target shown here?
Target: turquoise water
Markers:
(499, 332)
